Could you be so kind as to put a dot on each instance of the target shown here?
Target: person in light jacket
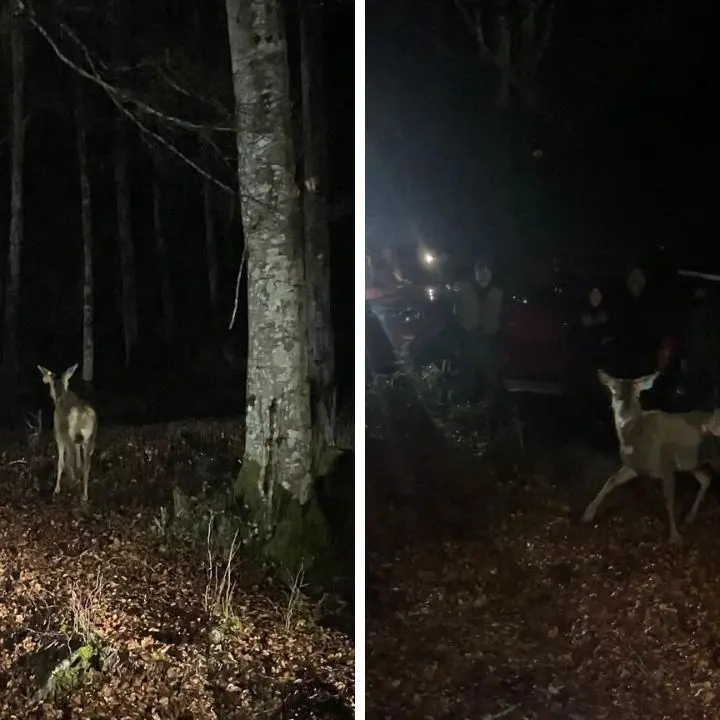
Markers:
(478, 313)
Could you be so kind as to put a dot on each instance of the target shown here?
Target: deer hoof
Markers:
(676, 538)
(588, 516)
(56, 491)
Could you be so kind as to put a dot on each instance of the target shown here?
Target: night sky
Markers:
(624, 128)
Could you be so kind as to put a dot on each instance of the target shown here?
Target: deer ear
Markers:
(68, 374)
(46, 374)
(604, 378)
(645, 383)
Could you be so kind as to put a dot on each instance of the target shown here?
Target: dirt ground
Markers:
(174, 644)
(488, 599)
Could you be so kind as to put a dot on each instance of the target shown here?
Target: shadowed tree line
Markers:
(172, 202)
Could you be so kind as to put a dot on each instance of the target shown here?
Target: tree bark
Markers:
(17, 183)
(317, 242)
(88, 367)
(125, 240)
(211, 244)
(166, 296)
(278, 444)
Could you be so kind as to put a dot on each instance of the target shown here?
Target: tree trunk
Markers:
(211, 244)
(88, 368)
(125, 240)
(166, 296)
(17, 171)
(278, 444)
(317, 243)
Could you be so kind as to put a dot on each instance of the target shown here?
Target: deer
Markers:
(74, 426)
(656, 444)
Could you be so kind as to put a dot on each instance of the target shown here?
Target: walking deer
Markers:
(654, 443)
(74, 425)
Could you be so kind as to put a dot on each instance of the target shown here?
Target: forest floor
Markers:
(488, 599)
(102, 596)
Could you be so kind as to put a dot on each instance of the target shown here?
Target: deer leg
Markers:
(704, 478)
(87, 459)
(60, 465)
(669, 493)
(623, 475)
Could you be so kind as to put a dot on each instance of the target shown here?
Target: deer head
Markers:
(625, 395)
(58, 384)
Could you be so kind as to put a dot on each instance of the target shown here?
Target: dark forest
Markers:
(176, 469)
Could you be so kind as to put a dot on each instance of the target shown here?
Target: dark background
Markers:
(626, 126)
(51, 290)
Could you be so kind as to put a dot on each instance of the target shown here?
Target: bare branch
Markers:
(139, 104)
(237, 289)
(113, 93)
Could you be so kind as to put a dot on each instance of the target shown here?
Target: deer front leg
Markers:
(623, 475)
(704, 478)
(669, 494)
(60, 465)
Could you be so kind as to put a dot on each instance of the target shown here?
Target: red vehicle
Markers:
(539, 338)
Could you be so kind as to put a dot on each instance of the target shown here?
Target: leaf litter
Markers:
(73, 580)
(497, 603)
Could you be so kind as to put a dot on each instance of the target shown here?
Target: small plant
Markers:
(83, 611)
(33, 423)
(220, 586)
(296, 599)
(161, 522)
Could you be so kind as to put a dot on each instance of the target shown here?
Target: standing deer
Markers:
(74, 425)
(654, 443)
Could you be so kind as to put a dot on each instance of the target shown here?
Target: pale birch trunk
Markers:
(125, 240)
(317, 242)
(17, 184)
(210, 244)
(278, 444)
(88, 367)
(166, 296)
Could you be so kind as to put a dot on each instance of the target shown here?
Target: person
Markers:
(596, 331)
(478, 310)
(702, 351)
(595, 343)
(637, 329)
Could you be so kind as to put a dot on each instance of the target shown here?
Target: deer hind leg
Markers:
(669, 493)
(60, 463)
(88, 450)
(623, 475)
(704, 478)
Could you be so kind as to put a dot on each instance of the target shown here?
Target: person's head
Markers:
(483, 273)
(635, 281)
(595, 297)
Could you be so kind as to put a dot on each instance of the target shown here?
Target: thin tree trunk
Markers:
(17, 172)
(125, 240)
(503, 57)
(211, 244)
(317, 242)
(166, 296)
(88, 368)
(278, 443)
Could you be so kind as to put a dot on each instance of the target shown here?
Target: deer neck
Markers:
(628, 426)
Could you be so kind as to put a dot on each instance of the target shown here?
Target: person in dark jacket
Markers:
(701, 357)
(637, 329)
(594, 353)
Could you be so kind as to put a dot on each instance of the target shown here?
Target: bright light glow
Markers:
(431, 293)
(429, 258)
